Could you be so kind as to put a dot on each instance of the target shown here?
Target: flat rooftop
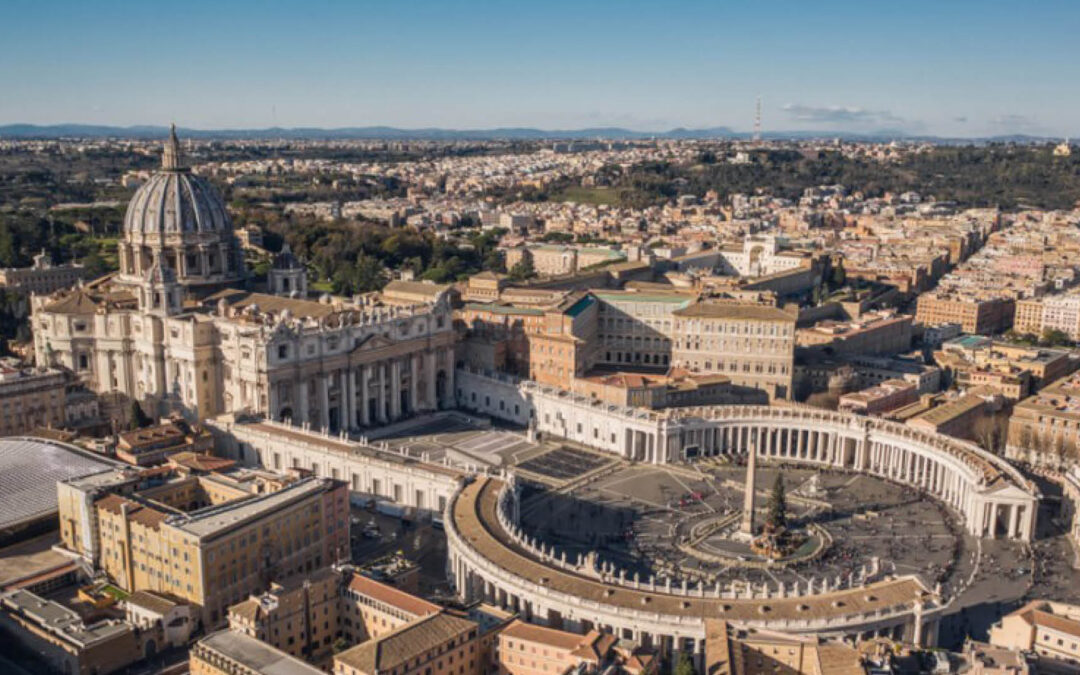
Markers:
(210, 521)
(29, 471)
(256, 654)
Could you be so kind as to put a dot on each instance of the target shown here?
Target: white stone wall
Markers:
(368, 470)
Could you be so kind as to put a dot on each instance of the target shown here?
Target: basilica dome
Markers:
(176, 201)
(179, 219)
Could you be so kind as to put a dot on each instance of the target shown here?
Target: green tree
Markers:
(776, 519)
(522, 270)
(1052, 337)
(683, 665)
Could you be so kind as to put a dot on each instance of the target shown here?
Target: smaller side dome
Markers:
(286, 260)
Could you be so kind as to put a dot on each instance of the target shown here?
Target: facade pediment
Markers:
(373, 342)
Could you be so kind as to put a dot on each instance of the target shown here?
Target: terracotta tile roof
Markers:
(77, 301)
(155, 602)
(1038, 617)
(137, 513)
(595, 646)
(519, 630)
(406, 643)
(406, 602)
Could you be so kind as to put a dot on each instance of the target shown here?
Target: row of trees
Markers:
(355, 257)
(996, 175)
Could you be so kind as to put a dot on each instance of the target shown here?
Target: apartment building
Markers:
(153, 444)
(300, 616)
(964, 359)
(980, 316)
(437, 644)
(1035, 316)
(636, 328)
(31, 397)
(875, 333)
(42, 277)
(953, 418)
(753, 345)
(1049, 629)
(229, 652)
(888, 395)
(528, 649)
(1045, 428)
(566, 345)
(210, 540)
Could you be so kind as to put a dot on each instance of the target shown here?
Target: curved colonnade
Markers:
(488, 562)
(992, 497)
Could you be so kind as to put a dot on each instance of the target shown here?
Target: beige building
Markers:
(153, 444)
(1049, 629)
(954, 418)
(437, 644)
(881, 333)
(875, 400)
(557, 260)
(975, 315)
(31, 397)
(300, 616)
(527, 649)
(1056, 312)
(66, 643)
(1045, 428)
(729, 651)
(753, 345)
(229, 652)
(210, 540)
(41, 277)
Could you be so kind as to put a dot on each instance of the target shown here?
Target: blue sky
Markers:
(945, 67)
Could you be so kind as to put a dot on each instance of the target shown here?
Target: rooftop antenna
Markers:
(757, 121)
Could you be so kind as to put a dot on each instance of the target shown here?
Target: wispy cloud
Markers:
(844, 115)
(1015, 124)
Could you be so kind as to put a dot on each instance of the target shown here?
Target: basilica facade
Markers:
(177, 329)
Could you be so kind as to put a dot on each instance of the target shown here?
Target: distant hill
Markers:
(28, 131)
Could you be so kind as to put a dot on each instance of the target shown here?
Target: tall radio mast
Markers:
(757, 121)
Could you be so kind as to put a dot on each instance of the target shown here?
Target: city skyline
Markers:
(963, 70)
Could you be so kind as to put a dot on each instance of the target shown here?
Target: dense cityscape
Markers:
(539, 338)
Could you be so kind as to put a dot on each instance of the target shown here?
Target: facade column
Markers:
(324, 400)
(365, 396)
(451, 392)
(380, 394)
(344, 400)
(272, 397)
(302, 414)
(395, 389)
(414, 379)
(350, 391)
(1013, 520)
(429, 371)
